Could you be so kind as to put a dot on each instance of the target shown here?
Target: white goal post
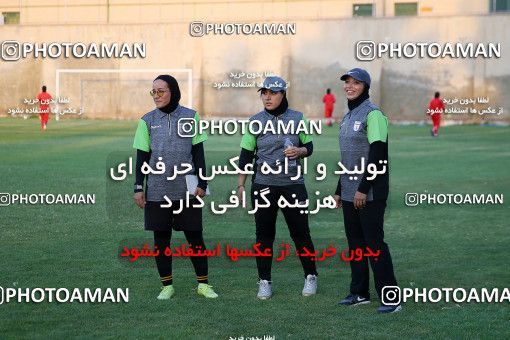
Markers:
(187, 71)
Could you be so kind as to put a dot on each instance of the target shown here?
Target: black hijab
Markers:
(281, 108)
(175, 93)
(352, 104)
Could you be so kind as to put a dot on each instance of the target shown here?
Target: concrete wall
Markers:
(311, 60)
(163, 11)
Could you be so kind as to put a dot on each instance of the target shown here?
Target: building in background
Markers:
(326, 43)
(27, 12)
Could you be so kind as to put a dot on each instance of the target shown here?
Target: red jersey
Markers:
(44, 98)
(328, 100)
(436, 104)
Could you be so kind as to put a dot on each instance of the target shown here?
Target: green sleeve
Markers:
(377, 127)
(303, 137)
(142, 138)
(199, 137)
(249, 141)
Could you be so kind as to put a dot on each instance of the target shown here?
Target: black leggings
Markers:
(265, 220)
(364, 228)
(164, 263)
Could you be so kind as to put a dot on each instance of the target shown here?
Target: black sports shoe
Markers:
(354, 300)
(389, 309)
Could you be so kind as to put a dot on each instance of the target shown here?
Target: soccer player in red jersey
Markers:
(436, 107)
(329, 101)
(44, 107)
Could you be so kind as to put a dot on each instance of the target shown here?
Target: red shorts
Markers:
(44, 117)
(436, 119)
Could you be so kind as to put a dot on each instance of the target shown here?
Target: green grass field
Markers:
(79, 246)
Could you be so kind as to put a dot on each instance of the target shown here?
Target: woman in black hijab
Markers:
(271, 149)
(364, 136)
(160, 139)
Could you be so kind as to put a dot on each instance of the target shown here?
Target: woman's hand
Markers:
(199, 192)
(139, 198)
(240, 190)
(338, 201)
(360, 200)
(294, 152)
